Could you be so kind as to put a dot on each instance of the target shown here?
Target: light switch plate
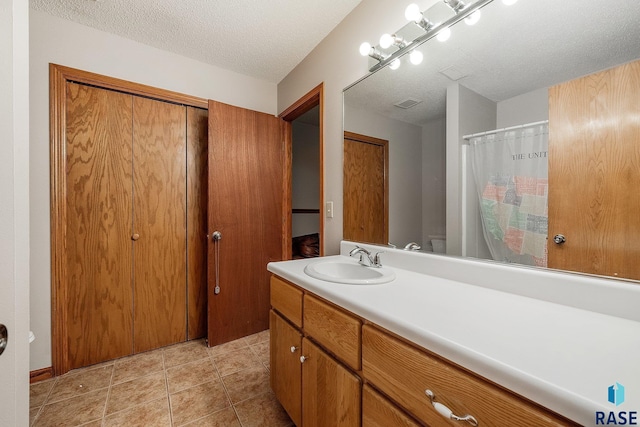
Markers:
(328, 208)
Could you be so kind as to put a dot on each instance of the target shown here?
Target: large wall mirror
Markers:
(572, 64)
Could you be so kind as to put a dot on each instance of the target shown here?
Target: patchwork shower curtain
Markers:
(510, 170)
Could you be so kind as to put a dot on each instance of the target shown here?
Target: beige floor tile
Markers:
(247, 383)
(136, 366)
(184, 353)
(154, 413)
(262, 411)
(39, 392)
(197, 402)
(262, 351)
(135, 392)
(228, 347)
(75, 411)
(190, 374)
(235, 361)
(81, 381)
(224, 418)
(33, 412)
(96, 423)
(257, 338)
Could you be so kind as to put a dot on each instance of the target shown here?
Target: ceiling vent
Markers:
(453, 73)
(408, 103)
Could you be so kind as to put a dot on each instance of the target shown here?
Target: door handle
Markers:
(4, 338)
(559, 239)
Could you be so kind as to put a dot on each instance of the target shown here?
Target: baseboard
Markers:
(40, 375)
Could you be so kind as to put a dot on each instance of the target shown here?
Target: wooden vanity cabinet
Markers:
(313, 386)
(404, 373)
(378, 411)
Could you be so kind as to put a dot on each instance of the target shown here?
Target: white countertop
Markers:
(561, 357)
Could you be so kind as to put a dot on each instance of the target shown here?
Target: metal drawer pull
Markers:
(446, 412)
(303, 358)
(294, 349)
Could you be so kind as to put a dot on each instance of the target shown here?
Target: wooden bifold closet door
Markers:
(136, 214)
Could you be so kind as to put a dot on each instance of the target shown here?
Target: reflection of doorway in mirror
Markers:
(366, 189)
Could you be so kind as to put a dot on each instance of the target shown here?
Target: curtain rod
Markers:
(489, 132)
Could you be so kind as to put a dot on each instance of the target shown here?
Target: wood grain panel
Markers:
(98, 224)
(159, 152)
(197, 135)
(246, 158)
(285, 367)
(334, 329)
(365, 191)
(403, 373)
(377, 411)
(332, 395)
(287, 299)
(594, 173)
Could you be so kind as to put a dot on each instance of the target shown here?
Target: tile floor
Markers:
(186, 384)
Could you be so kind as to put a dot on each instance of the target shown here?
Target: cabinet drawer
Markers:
(335, 330)
(377, 411)
(404, 373)
(287, 299)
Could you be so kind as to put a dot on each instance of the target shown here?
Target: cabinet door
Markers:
(98, 223)
(331, 394)
(159, 212)
(286, 380)
(377, 411)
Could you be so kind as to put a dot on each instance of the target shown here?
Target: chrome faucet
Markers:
(413, 246)
(365, 257)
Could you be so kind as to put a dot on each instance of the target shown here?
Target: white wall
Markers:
(467, 113)
(66, 43)
(305, 177)
(336, 62)
(405, 170)
(14, 210)
(530, 107)
(434, 141)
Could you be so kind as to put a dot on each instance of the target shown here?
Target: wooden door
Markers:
(365, 189)
(245, 204)
(377, 411)
(159, 223)
(286, 370)
(197, 137)
(331, 394)
(98, 224)
(594, 173)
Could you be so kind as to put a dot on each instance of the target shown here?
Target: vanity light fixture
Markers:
(444, 34)
(388, 40)
(412, 13)
(442, 31)
(416, 57)
(456, 5)
(367, 50)
(473, 18)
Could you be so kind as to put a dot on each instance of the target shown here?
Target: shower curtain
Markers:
(510, 170)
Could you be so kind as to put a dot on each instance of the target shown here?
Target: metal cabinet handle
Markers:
(303, 358)
(448, 413)
(294, 349)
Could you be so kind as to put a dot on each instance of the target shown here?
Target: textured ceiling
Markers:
(259, 38)
(512, 50)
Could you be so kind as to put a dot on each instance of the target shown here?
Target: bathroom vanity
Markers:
(493, 345)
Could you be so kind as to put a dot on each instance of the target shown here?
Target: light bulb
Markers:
(386, 40)
(444, 34)
(473, 18)
(395, 64)
(365, 48)
(412, 13)
(415, 57)
(509, 2)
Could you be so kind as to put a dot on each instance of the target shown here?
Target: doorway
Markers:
(305, 176)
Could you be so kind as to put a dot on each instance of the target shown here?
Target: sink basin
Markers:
(350, 273)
